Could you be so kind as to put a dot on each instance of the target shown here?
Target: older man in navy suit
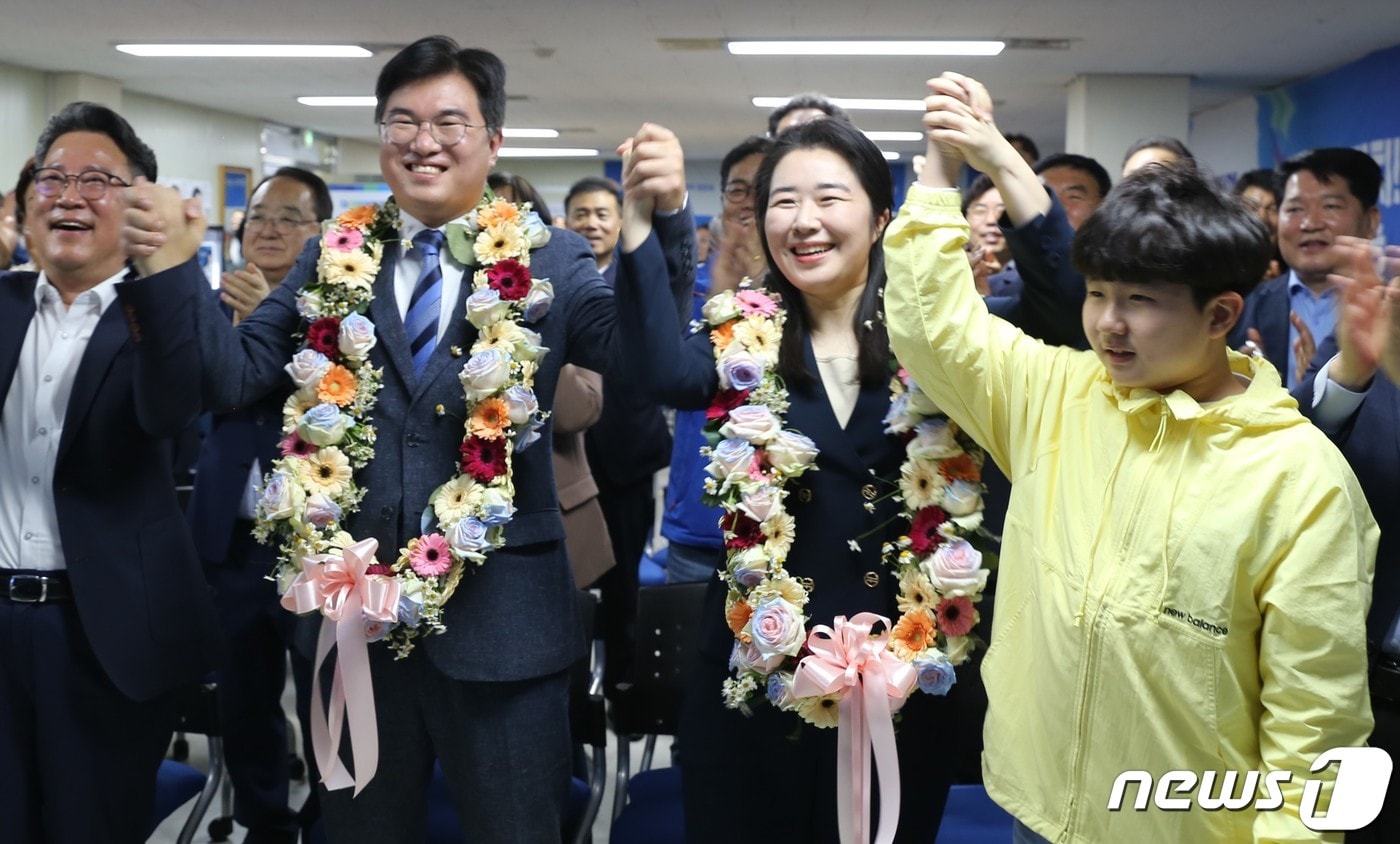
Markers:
(488, 697)
(1357, 405)
(103, 610)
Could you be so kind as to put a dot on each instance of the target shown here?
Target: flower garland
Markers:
(753, 457)
(329, 435)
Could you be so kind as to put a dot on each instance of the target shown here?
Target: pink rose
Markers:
(956, 568)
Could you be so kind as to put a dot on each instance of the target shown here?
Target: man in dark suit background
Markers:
(1328, 193)
(103, 611)
(1357, 405)
(284, 210)
(488, 697)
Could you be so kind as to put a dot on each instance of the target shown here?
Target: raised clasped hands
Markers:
(653, 180)
(159, 229)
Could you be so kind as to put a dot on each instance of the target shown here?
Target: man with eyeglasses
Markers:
(488, 697)
(103, 609)
(284, 211)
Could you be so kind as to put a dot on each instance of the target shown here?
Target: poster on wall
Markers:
(199, 188)
(234, 185)
(1356, 105)
(211, 255)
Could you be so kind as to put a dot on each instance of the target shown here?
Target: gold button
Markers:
(868, 492)
(804, 495)
(872, 579)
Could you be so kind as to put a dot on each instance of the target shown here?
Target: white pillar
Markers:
(65, 88)
(1108, 113)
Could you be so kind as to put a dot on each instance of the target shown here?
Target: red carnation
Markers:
(924, 537)
(324, 336)
(725, 401)
(747, 532)
(510, 278)
(484, 460)
(380, 568)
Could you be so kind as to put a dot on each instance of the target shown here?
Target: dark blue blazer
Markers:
(136, 579)
(226, 456)
(1370, 440)
(512, 618)
(1051, 299)
(1266, 309)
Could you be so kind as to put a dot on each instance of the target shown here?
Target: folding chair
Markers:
(647, 807)
(177, 782)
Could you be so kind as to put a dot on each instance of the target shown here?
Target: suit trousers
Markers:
(629, 510)
(257, 634)
(504, 749)
(78, 759)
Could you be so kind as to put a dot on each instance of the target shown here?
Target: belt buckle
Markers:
(37, 591)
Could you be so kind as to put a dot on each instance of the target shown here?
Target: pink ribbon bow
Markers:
(873, 683)
(339, 588)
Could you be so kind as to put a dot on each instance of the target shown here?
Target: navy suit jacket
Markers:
(1370, 440)
(136, 579)
(226, 457)
(1050, 301)
(1266, 309)
(513, 617)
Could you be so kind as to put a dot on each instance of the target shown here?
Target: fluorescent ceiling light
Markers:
(852, 104)
(359, 102)
(545, 152)
(529, 133)
(866, 48)
(895, 136)
(889, 155)
(248, 51)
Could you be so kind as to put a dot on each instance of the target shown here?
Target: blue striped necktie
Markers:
(425, 306)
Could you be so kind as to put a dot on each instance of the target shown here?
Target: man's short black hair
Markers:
(1172, 224)
(91, 117)
(1361, 172)
(801, 101)
(974, 191)
(752, 145)
(593, 184)
(1166, 142)
(1015, 138)
(438, 55)
(1083, 163)
(1261, 178)
(321, 204)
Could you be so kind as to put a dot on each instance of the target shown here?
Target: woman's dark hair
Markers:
(1171, 224)
(91, 117)
(438, 55)
(523, 190)
(864, 158)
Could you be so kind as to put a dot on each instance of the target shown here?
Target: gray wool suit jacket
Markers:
(513, 617)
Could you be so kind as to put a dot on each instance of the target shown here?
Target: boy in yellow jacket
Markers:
(1187, 562)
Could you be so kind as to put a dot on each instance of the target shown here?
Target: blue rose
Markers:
(740, 372)
(410, 612)
(936, 674)
(496, 508)
(470, 539)
(323, 425)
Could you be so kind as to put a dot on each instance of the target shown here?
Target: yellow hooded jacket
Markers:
(1182, 587)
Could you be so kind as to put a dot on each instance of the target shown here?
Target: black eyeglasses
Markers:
(281, 225)
(738, 191)
(92, 184)
(403, 131)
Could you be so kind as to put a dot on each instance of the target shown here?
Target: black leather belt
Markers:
(1385, 679)
(35, 588)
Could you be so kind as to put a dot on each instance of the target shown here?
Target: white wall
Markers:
(1226, 139)
(192, 142)
(23, 112)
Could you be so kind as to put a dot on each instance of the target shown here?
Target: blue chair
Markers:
(970, 817)
(648, 807)
(176, 781)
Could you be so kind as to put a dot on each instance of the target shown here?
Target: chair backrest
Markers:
(587, 716)
(668, 621)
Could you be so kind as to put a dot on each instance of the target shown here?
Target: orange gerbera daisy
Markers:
(722, 335)
(915, 633)
(961, 468)
(356, 217)
(490, 419)
(738, 616)
(496, 213)
(337, 386)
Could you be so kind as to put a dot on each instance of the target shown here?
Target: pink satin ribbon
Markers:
(339, 589)
(873, 683)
